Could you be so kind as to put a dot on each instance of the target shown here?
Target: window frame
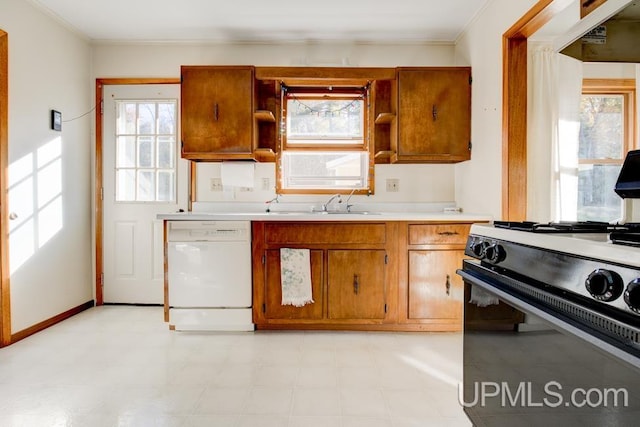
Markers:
(339, 91)
(626, 88)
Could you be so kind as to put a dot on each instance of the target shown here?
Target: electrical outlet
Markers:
(266, 184)
(393, 185)
(215, 184)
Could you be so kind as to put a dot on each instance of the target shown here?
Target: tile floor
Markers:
(121, 366)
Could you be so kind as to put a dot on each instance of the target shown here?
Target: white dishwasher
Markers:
(209, 275)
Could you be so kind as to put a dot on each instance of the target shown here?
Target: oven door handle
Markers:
(555, 321)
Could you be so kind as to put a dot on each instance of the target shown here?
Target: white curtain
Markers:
(553, 131)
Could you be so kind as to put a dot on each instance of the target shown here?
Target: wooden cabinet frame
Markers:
(395, 238)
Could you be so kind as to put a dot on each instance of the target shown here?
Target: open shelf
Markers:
(384, 118)
(383, 155)
(264, 155)
(264, 116)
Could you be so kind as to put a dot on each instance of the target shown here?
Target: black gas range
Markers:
(580, 295)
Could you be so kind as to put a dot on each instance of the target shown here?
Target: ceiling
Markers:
(262, 21)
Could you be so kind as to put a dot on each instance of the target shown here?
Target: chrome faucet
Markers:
(274, 200)
(328, 202)
(349, 198)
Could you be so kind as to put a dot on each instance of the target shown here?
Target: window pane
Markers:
(314, 120)
(166, 151)
(146, 185)
(166, 189)
(145, 151)
(126, 185)
(601, 127)
(596, 199)
(126, 152)
(146, 118)
(126, 123)
(166, 118)
(331, 170)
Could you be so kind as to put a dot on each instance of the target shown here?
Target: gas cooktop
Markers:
(624, 234)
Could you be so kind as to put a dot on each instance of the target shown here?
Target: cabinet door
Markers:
(434, 115)
(435, 290)
(217, 112)
(273, 289)
(356, 282)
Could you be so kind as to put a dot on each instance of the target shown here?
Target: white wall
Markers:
(479, 182)
(418, 183)
(50, 172)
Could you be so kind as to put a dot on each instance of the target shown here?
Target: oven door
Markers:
(554, 370)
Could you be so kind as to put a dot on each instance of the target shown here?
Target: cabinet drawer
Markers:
(305, 233)
(425, 234)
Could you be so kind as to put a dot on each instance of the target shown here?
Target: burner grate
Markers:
(563, 227)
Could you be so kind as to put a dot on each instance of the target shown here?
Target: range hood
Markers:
(611, 33)
(628, 183)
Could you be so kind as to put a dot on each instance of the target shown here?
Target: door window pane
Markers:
(146, 119)
(126, 150)
(165, 185)
(126, 118)
(146, 185)
(146, 151)
(166, 151)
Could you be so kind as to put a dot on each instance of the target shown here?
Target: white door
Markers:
(143, 175)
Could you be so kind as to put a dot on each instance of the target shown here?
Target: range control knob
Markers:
(479, 248)
(495, 253)
(604, 285)
(632, 295)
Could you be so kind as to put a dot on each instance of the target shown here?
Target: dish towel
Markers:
(482, 298)
(295, 276)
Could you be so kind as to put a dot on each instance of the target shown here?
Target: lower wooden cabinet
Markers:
(349, 280)
(273, 308)
(435, 290)
(356, 284)
(391, 275)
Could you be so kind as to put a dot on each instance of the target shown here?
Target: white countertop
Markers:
(251, 211)
(309, 216)
(590, 245)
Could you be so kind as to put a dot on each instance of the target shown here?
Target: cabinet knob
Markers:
(447, 285)
(356, 285)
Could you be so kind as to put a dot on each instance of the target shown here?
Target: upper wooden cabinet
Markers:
(433, 115)
(217, 112)
(418, 114)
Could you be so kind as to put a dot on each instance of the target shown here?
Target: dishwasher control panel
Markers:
(207, 231)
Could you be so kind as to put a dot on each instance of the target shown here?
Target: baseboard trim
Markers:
(129, 304)
(20, 335)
